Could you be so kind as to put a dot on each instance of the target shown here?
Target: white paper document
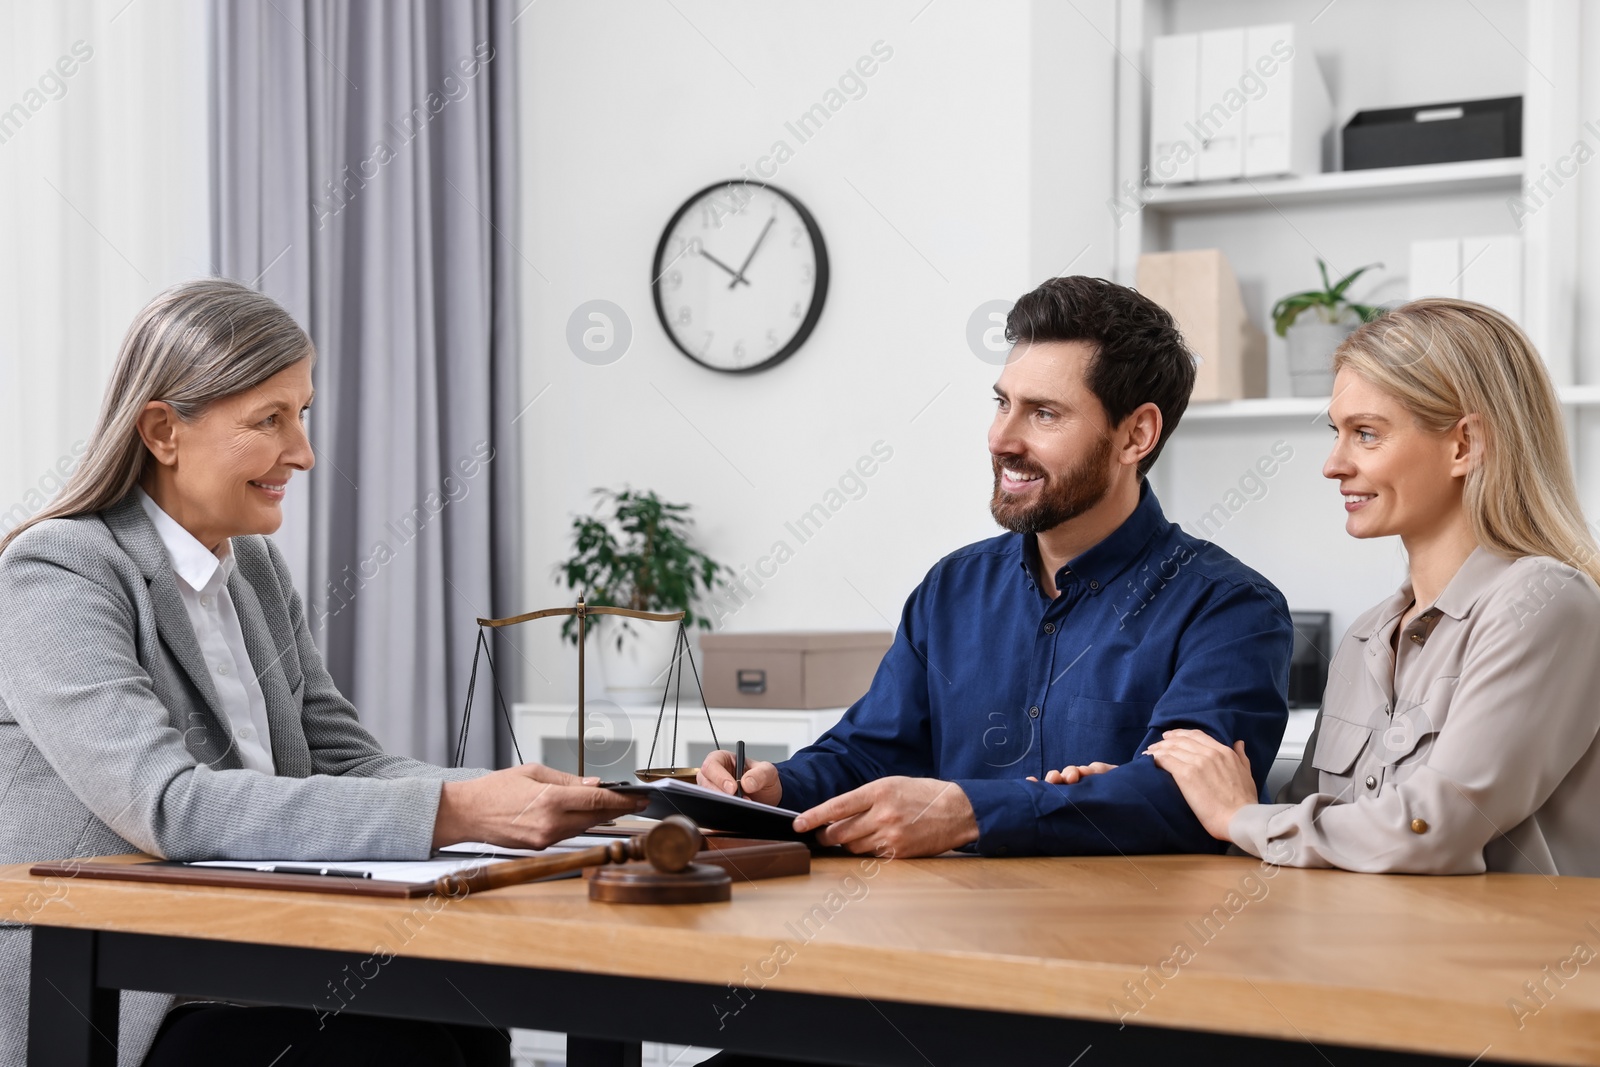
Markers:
(468, 854)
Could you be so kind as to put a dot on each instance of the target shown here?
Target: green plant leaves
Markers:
(1329, 301)
(635, 552)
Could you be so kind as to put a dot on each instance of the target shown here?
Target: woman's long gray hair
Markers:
(194, 344)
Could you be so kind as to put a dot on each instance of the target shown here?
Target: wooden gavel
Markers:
(670, 846)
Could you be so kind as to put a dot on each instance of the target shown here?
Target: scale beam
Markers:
(582, 611)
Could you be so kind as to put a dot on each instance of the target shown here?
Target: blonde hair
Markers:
(1444, 359)
(194, 344)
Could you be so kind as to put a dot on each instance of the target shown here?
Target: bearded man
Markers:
(1032, 670)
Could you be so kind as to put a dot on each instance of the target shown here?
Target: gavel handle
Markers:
(515, 872)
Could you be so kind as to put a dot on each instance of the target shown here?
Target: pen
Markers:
(738, 770)
(330, 871)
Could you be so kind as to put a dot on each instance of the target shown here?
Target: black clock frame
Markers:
(819, 287)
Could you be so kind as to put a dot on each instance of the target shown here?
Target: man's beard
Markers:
(1058, 499)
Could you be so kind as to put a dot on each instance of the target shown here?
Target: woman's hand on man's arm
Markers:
(530, 806)
(1215, 779)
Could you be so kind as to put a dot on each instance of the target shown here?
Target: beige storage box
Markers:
(1199, 289)
(790, 670)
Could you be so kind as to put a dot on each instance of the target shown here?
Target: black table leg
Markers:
(71, 1022)
(598, 1052)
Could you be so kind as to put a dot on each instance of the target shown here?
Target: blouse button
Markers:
(1049, 627)
(1033, 712)
(1419, 826)
(1372, 782)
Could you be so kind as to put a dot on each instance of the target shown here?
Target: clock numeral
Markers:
(806, 272)
(706, 347)
(772, 339)
(675, 278)
(738, 350)
(799, 232)
(685, 315)
(794, 313)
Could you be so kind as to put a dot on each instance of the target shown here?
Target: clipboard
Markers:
(744, 859)
(135, 869)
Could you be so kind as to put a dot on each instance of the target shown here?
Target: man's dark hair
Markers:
(1139, 355)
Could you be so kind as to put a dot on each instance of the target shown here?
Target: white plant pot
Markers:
(1311, 343)
(638, 672)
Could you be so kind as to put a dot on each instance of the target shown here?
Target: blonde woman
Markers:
(1457, 733)
(160, 690)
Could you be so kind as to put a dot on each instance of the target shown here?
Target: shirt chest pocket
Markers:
(1339, 743)
(1106, 730)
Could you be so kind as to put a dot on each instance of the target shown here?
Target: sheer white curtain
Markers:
(104, 201)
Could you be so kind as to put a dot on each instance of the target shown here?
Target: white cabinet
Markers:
(619, 737)
(537, 1048)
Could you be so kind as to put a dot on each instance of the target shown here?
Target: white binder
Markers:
(1283, 126)
(1174, 150)
(1221, 127)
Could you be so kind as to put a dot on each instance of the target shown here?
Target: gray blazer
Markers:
(111, 739)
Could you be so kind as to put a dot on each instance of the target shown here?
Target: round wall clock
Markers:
(740, 276)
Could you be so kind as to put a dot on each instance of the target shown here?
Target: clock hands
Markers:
(737, 275)
(740, 276)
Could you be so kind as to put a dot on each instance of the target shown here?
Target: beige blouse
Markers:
(1476, 751)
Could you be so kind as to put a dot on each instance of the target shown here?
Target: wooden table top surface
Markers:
(1427, 964)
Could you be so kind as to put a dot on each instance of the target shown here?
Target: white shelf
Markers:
(1309, 407)
(1272, 407)
(1473, 176)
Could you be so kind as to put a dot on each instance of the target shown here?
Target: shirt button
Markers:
(1419, 826)
(1049, 627)
(1372, 783)
(222, 668)
(1416, 639)
(205, 602)
(1033, 712)
(1093, 584)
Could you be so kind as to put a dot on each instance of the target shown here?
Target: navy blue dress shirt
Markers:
(989, 681)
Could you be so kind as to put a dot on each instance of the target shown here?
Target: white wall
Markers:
(104, 201)
(930, 200)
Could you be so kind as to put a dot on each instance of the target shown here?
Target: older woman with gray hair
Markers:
(160, 690)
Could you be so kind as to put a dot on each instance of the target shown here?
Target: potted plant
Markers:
(635, 552)
(1312, 339)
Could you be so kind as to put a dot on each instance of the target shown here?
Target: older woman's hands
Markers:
(530, 806)
(1215, 779)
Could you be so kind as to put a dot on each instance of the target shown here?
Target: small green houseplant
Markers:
(635, 552)
(1329, 302)
(1312, 339)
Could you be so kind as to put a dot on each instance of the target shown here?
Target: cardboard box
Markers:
(790, 670)
(1199, 288)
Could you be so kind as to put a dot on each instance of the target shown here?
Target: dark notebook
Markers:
(711, 810)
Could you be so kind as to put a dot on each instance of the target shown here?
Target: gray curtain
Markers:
(365, 176)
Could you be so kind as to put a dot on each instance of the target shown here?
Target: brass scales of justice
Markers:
(582, 611)
(670, 876)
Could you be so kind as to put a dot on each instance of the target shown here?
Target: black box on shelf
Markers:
(1434, 133)
(1308, 663)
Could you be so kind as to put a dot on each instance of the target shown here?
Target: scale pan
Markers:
(655, 774)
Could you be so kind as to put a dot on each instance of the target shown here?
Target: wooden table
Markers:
(944, 961)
